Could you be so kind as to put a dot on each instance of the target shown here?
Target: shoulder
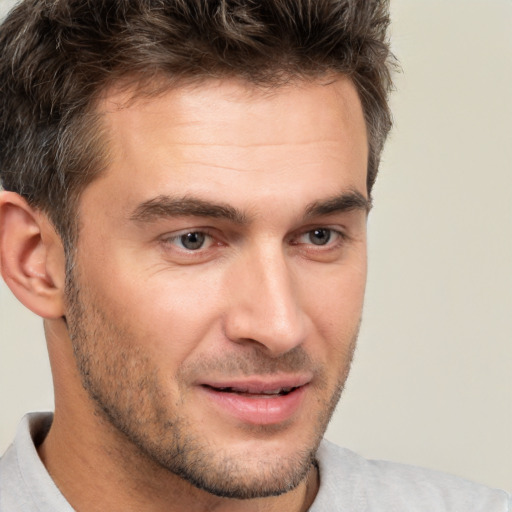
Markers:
(348, 481)
(25, 485)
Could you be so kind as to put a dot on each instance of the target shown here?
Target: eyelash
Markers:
(169, 240)
(339, 238)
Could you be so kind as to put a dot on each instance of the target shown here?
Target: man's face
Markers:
(219, 277)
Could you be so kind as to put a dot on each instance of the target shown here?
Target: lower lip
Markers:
(258, 409)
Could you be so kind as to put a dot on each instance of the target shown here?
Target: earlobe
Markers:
(31, 257)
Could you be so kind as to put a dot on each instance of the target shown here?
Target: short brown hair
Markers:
(57, 56)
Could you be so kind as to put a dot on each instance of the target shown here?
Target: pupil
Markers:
(192, 241)
(320, 236)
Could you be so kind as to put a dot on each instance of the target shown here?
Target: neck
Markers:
(94, 472)
(98, 468)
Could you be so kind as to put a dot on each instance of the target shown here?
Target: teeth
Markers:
(271, 392)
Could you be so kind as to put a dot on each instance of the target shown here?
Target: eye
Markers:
(191, 240)
(319, 236)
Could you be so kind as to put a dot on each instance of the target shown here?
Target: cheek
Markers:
(335, 297)
(335, 310)
(167, 312)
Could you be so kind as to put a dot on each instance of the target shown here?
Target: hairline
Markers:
(137, 88)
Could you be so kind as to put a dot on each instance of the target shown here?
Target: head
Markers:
(58, 57)
(208, 168)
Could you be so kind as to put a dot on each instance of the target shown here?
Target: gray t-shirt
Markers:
(348, 483)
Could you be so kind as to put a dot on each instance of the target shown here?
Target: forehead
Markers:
(227, 134)
(234, 100)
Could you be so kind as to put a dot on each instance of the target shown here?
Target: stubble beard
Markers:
(126, 390)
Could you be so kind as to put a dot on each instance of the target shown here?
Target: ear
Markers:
(32, 259)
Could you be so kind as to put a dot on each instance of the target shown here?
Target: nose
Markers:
(264, 303)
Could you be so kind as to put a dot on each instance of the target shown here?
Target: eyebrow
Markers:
(167, 206)
(348, 201)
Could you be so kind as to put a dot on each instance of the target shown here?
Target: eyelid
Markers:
(340, 236)
(169, 238)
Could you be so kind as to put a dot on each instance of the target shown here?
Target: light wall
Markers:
(431, 384)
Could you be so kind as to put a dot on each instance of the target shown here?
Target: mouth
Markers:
(263, 393)
(258, 401)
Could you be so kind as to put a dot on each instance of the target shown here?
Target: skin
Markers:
(148, 322)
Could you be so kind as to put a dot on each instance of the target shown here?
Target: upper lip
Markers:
(259, 385)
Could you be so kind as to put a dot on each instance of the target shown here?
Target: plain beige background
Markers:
(431, 384)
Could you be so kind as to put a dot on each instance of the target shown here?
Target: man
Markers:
(187, 186)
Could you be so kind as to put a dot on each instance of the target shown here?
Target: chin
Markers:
(248, 477)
